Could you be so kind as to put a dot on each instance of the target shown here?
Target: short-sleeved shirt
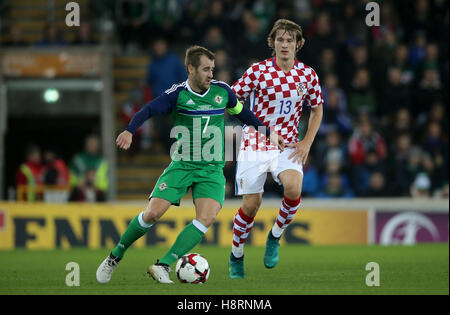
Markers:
(277, 99)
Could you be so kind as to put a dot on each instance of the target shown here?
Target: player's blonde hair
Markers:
(288, 26)
(193, 55)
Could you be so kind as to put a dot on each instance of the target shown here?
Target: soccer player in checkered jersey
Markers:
(277, 88)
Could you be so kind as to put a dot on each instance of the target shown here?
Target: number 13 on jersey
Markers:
(285, 107)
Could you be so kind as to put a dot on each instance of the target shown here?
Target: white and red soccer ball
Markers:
(192, 268)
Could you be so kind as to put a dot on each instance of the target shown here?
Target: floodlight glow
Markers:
(51, 95)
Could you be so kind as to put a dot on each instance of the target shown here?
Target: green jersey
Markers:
(198, 121)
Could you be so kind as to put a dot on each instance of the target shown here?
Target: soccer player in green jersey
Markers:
(198, 107)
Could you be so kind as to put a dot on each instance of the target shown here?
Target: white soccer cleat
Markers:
(160, 273)
(106, 269)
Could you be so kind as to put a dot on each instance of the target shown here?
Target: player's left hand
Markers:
(301, 152)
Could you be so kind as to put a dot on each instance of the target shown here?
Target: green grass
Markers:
(421, 269)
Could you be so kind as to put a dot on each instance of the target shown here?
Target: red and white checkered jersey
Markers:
(276, 98)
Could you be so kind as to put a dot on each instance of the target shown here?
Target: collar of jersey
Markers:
(275, 65)
(193, 92)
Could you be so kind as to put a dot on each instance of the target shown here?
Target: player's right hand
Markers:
(124, 140)
(277, 140)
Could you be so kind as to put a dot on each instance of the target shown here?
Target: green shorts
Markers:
(177, 178)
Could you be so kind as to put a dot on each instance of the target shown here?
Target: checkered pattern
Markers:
(286, 214)
(242, 225)
(276, 98)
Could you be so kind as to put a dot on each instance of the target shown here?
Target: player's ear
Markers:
(190, 68)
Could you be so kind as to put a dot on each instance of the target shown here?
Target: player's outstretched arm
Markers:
(161, 105)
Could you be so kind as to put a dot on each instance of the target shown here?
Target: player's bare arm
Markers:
(300, 155)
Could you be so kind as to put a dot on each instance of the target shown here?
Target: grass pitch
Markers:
(420, 269)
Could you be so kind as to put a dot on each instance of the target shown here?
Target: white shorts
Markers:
(252, 168)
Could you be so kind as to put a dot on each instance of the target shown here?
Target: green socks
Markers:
(137, 228)
(188, 238)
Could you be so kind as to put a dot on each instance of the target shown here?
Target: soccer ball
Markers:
(192, 268)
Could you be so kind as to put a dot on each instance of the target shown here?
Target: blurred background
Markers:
(67, 91)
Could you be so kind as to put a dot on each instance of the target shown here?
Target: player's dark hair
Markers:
(193, 55)
(288, 26)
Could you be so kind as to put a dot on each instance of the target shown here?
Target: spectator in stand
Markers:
(331, 149)
(164, 18)
(437, 114)
(15, 37)
(84, 36)
(311, 178)
(437, 148)
(362, 96)
(365, 138)
(214, 39)
(351, 28)
(389, 22)
(334, 188)
(384, 51)
(399, 157)
(265, 11)
(377, 186)
(402, 63)
(431, 60)
(429, 91)
(416, 53)
(359, 59)
(211, 14)
(334, 167)
(223, 67)
(52, 37)
(328, 64)
(331, 83)
(442, 192)
(90, 159)
(334, 117)
(86, 189)
(132, 20)
(31, 173)
(164, 70)
(395, 95)
(252, 43)
(320, 35)
(56, 171)
(303, 11)
(419, 162)
(399, 122)
(421, 186)
(361, 175)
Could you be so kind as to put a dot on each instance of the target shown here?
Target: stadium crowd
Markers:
(385, 131)
(385, 127)
(84, 179)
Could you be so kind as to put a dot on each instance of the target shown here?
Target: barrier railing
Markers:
(46, 193)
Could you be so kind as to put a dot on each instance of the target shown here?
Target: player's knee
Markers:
(251, 207)
(207, 220)
(151, 216)
(292, 190)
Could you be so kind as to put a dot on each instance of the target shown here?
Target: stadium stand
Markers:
(402, 62)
